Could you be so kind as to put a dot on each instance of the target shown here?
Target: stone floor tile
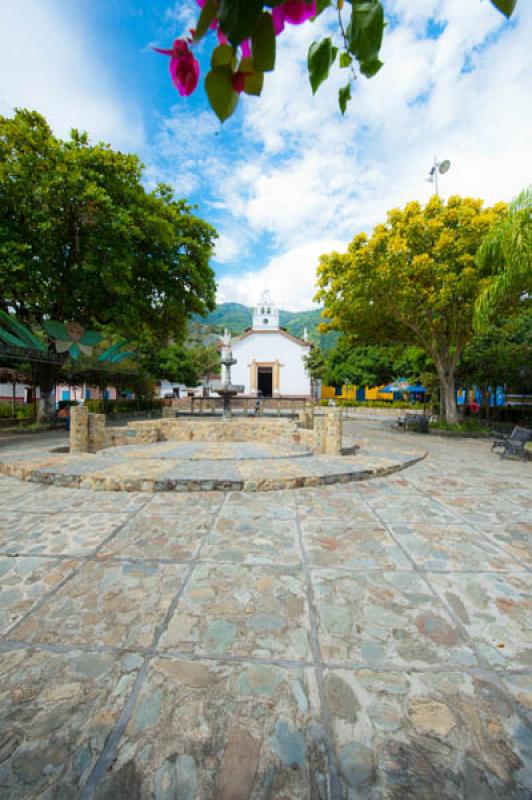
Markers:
(81, 500)
(351, 545)
(387, 619)
(438, 547)
(277, 504)
(514, 536)
(24, 581)
(119, 604)
(428, 736)
(159, 535)
(56, 713)
(520, 687)
(253, 540)
(186, 505)
(56, 534)
(221, 732)
(43, 500)
(243, 611)
(332, 502)
(407, 508)
(496, 610)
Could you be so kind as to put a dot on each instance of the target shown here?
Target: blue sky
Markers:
(286, 178)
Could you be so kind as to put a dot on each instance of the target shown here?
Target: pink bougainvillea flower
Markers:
(293, 11)
(184, 68)
(245, 46)
(222, 38)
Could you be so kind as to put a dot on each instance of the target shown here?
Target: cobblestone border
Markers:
(259, 483)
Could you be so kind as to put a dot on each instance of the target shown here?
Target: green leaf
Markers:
(9, 338)
(370, 68)
(239, 18)
(74, 352)
(345, 60)
(222, 56)
(263, 44)
(253, 83)
(208, 14)
(116, 359)
(320, 58)
(254, 79)
(344, 96)
(22, 332)
(365, 30)
(91, 338)
(112, 349)
(222, 96)
(506, 7)
(56, 329)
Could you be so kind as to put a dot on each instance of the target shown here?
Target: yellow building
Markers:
(351, 392)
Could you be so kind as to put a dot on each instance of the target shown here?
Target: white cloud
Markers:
(319, 177)
(49, 64)
(290, 277)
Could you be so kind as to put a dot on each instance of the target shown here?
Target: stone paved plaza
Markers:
(362, 640)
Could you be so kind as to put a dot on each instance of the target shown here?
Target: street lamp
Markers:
(438, 167)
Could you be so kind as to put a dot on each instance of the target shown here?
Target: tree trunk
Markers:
(448, 392)
(45, 377)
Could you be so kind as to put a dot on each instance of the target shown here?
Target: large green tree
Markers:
(190, 365)
(415, 281)
(81, 239)
(506, 255)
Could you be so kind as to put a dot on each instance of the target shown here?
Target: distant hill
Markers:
(237, 317)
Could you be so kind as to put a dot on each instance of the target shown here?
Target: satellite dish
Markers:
(444, 166)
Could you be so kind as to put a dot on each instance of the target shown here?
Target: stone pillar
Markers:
(334, 432)
(276, 377)
(96, 432)
(253, 377)
(320, 434)
(79, 429)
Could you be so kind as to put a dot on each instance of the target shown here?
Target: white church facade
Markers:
(270, 361)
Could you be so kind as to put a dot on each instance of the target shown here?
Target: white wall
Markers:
(294, 379)
(6, 392)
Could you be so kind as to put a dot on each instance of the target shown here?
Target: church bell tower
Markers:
(265, 314)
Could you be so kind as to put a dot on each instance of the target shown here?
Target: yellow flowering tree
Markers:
(415, 281)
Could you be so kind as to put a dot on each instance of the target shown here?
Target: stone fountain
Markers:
(224, 387)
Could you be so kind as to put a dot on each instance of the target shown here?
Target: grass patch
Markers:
(467, 426)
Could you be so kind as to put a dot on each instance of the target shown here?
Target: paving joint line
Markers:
(481, 533)
(483, 664)
(107, 755)
(335, 783)
(55, 589)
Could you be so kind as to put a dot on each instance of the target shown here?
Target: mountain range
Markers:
(237, 317)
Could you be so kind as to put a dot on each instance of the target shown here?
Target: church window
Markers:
(265, 321)
(262, 311)
(268, 311)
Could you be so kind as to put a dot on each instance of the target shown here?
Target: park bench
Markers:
(514, 444)
(414, 422)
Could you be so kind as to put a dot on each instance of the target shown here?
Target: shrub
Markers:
(122, 406)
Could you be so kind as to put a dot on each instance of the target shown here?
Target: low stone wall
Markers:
(203, 430)
(323, 433)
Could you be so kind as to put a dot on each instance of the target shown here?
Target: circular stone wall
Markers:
(201, 466)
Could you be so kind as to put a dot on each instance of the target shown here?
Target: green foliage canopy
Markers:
(414, 282)
(506, 255)
(81, 239)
